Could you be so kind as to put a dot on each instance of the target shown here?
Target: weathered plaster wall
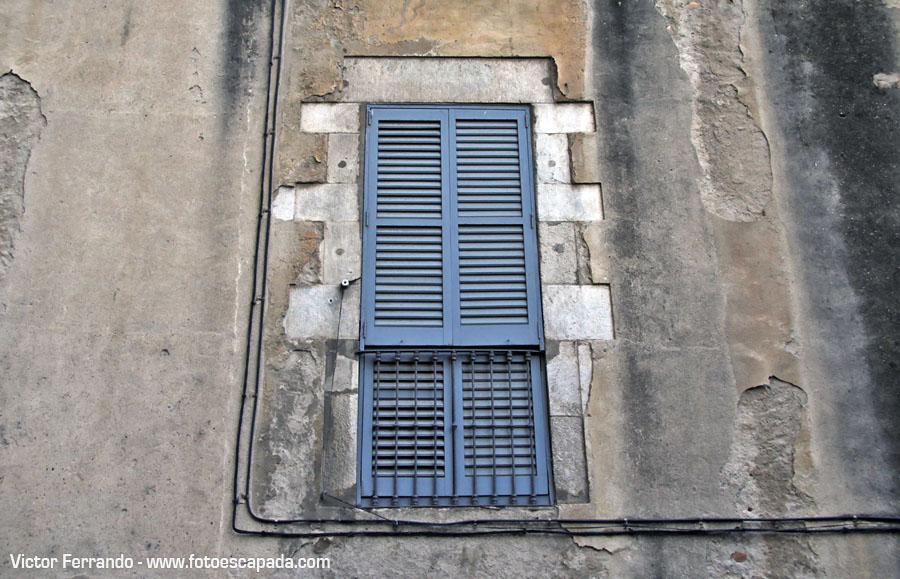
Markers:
(122, 309)
(748, 168)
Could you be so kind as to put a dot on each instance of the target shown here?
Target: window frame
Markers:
(453, 338)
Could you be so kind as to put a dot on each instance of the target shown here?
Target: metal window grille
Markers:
(453, 427)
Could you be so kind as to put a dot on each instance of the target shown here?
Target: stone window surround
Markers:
(568, 202)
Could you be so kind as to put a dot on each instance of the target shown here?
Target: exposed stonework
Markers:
(564, 118)
(577, 312)
(584, 149)
(288, 447)
(598, 247)
(471, 80)
(322, 33)
(343, 158)
(302, 159)
(771, 432)
(565, 202)
(551, 158)
(21, 122)
(771, 419)
(557, 252)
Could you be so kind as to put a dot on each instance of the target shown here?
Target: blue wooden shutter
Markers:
(450, 261)
(406, 222)
(494, 244)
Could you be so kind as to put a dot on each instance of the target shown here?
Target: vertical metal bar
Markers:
(512, 428)
(434, 428)
(474, 430)
(531, 444)
(376, 406)
(394, 500)
(493, 430)
(415, 429)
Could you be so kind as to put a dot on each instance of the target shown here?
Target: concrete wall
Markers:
(746, 245)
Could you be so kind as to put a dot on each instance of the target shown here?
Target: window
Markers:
(452, 405)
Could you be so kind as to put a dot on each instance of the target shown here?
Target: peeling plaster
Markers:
(21, 121)
(732, 150)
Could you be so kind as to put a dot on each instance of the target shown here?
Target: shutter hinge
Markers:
(532, 220)
(527, 119)
(368, 117)
(364, 329)
(366, 218)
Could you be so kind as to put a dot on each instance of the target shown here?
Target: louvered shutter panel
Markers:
(405, 283)
(494, 243)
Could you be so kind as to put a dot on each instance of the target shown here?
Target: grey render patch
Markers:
(21, 122)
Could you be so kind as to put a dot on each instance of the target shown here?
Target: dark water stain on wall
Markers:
(840, 127)
(243, 44)
(672, 366)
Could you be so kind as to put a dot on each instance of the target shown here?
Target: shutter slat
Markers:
(499, 263)
(417, 283)
(408, 170)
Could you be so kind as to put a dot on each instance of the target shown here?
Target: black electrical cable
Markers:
(488, 527)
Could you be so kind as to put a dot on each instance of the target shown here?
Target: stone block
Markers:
(561, 202)
(313, 312)
(594, 235)
(329, 118)
(552, 158)
(564, 118)
(283, 204)
(346, 375)
(301, 158)
(326, 202)
(563, 384)
(461, 80)
(343, 157)
(584, 152)
(569, 464)
(341, 251)
(350, 312)
(341, 417)
(558, 252)
(577, 312)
